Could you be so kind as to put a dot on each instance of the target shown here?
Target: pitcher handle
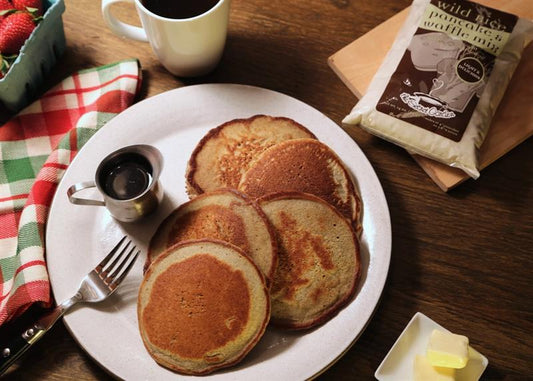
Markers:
(82, 201)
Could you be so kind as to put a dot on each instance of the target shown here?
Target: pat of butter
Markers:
(424, 371)
(447, 349)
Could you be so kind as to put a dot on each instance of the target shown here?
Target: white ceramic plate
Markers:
(78, 236)
(398, 364)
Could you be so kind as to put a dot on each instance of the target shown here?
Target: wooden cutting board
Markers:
(357, 63)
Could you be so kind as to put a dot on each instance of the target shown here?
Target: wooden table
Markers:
(463, 258)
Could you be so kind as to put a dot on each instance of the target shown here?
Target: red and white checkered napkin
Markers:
(36, 147)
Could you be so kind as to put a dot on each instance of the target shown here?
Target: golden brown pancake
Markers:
(304, 165)
(224, 153)
(202, 306)
(319, 262)
(226, 215)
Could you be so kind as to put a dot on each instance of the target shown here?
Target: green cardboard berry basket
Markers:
(36, 59)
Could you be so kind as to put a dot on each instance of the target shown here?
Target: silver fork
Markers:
(96, 286)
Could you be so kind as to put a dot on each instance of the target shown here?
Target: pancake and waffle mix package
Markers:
(439, 86)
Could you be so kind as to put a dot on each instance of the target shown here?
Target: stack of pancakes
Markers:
(273, 212)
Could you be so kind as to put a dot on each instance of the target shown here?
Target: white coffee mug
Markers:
(185, 47)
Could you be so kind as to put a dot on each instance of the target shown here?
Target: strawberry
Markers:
(14, 31)
(33, 6)
(5, 5)
(29, 5)
(5, 8)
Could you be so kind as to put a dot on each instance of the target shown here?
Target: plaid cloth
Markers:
(36, 148)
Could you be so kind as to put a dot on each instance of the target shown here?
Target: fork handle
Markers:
(16, 347)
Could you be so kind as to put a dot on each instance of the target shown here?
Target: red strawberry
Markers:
(23, 5)
(14, 31)
(5, 8)
(6, 4)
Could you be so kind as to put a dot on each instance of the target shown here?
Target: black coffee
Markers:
(126, 176)
(179, 9)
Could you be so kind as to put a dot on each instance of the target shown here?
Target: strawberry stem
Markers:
(5, 12)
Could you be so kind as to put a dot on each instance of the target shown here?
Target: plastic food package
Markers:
(441, 82)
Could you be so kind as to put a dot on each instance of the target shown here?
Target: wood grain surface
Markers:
(463, 258)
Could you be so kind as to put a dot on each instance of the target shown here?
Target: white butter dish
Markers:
(398, 363)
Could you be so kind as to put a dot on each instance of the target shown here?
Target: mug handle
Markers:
(118, 27)
(82, 201)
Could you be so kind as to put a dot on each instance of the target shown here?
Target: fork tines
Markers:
(121, 264)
